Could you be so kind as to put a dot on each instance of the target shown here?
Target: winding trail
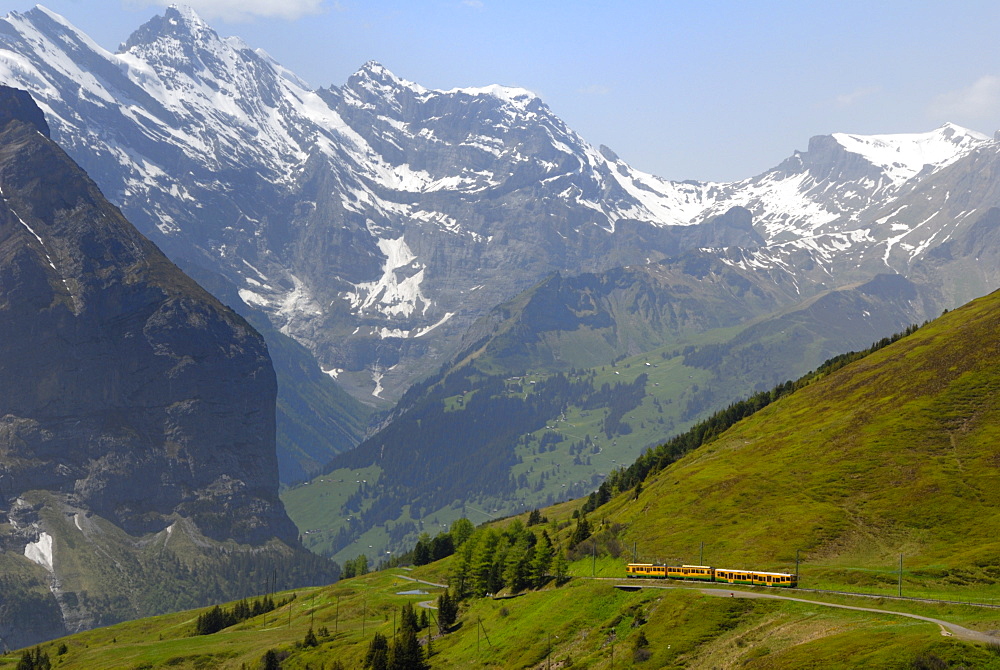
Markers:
(948, 629)
(422, 581)
(426, 604)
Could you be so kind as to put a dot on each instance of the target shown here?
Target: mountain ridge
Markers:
(420, 186)
(137, 437)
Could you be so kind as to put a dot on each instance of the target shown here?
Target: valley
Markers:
(258, 335)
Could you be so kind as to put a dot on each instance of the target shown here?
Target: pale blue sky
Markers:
(685, 90)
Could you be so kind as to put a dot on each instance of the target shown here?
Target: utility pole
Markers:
(364, 615)
(485, 634)
(336, 618)
(701, 556)
(796, 566)
(900, 575)
(593, 566)
(435, 619)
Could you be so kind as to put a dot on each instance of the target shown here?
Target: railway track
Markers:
(948, 629)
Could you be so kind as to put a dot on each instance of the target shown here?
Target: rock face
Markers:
(127, 387)
(374, 222)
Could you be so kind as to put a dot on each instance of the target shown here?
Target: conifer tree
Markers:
(408, 618)
(447, 611)
(377, 657)
(517, 565)
(581, 532)
(542, 561)
(270, 660)
(35, 659)
(406, 652)
(560, 567)
(482, 562)
(460, 531)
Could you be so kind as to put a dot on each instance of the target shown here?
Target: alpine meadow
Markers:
(390, 375)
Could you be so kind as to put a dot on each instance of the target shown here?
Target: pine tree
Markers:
(270, 661)
(447, 611)
(461, 570)
(34, 660)
(406, 653)
(482, 563)
(408, 618)
(377, 657)
(460, 531)
(560, 567)
(422, 551)
(518, 562)
(581, 532)
(543, 560)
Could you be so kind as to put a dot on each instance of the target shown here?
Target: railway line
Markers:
(948, 628)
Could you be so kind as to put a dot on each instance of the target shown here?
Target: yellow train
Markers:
(705, 573)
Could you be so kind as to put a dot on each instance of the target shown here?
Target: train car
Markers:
(755, 578)
(645, 570)
(705, 573)
(699, 573)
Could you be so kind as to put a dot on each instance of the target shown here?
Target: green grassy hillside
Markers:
(582, 624)
(894, 454)
(560, 435)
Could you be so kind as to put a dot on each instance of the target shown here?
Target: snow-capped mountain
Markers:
(371, 222)
(374, 222)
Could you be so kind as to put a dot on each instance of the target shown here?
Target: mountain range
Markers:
(380, 233)
(374, 222)
(138, 469)
(873, 481)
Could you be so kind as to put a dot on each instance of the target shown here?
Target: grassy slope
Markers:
(893, 454)
(684, 629)
(745, 358)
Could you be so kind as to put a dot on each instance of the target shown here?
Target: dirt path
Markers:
(947, 628)
(422, 581)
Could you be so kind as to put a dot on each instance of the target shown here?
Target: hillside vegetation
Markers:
(527, 416)
(893, 454)
(583, 624)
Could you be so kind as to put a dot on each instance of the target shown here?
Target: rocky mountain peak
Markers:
(181, 39)
(178, 22)
(138, 395)
(17, 105)
(375, 87)
(375, 71)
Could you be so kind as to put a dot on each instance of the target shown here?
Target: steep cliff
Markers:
(133, 401)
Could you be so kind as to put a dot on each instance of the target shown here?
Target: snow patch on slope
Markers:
(40, 552)
(903, 156)
(397, 292)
